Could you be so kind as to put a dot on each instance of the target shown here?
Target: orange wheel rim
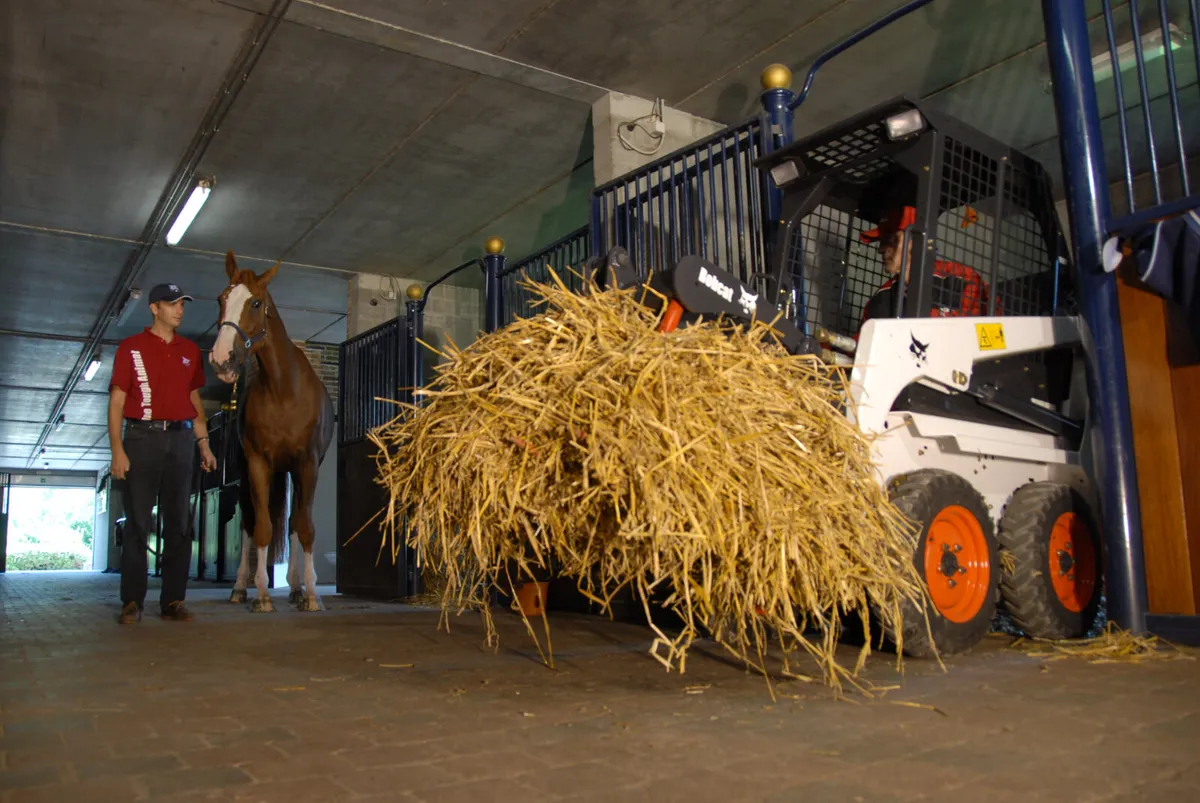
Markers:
(958, 568)
(1072, 562)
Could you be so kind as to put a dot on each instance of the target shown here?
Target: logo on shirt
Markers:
(139, 366)
(186, 361)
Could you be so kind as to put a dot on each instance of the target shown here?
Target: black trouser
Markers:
(160, 470)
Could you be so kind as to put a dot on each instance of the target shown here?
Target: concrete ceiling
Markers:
(393, 136)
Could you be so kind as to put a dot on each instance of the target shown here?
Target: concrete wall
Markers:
(453, 311)
(613, 158)
(101, 525)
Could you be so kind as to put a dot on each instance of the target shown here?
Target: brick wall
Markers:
(323, 357)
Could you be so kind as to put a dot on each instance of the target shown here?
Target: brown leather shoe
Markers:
(130, 614)
(177, 611)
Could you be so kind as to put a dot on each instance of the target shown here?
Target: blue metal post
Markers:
(776, 99)
(1087, 199)
(778, 132)
(493, 288)
(414, 331)
(414, 370)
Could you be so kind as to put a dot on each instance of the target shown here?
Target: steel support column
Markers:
(1084, 172)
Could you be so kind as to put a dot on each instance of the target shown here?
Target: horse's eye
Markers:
(256, 303)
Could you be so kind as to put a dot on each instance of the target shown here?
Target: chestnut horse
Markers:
(287, 428)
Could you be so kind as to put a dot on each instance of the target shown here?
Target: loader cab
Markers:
(978, 219)
(903, 212)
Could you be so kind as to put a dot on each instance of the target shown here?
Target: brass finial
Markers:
(494, 245)
(776, 76)
(414, 292)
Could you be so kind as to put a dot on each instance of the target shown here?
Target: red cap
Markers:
(897, 219)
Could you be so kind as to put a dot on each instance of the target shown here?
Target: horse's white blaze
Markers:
(243, 575)
(234, 305)
(260, 577)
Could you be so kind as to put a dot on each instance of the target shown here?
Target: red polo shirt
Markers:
(158, 377)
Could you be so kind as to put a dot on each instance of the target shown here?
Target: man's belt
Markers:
(158, 423)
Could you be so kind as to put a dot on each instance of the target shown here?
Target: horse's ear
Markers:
(263, 279)
(231, 268)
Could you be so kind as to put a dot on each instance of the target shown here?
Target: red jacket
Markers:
(951, 299)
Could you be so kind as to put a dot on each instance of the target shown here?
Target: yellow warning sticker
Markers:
(990, 336)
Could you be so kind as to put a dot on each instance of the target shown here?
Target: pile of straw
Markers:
(1112, 646)
(707, 469)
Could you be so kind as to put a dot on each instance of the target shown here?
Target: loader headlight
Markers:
(905, 124)
(785, 173)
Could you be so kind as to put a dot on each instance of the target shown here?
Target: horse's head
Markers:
(242, 331)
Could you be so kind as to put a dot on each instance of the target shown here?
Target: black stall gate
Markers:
(371, 377)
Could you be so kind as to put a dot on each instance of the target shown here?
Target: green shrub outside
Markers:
(46, 561)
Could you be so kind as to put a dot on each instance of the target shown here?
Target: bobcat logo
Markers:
(748, 302)
(919, 350)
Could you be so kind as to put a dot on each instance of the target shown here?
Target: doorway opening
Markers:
(50, 528)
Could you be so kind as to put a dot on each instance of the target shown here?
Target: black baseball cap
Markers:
(167, 292)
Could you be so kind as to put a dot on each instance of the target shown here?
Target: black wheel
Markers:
(1053, 590)
(956, 557)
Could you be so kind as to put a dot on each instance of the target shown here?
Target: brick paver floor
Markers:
(369, 701)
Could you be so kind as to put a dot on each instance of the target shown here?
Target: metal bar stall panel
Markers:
(652, 212)
(565, 257)
(1159, 141)
(1087, 198)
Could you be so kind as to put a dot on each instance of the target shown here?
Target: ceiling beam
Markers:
(49, 336)
(72, 423)
(323, 17)
(52, 390)
(13, 227)
(177, 189)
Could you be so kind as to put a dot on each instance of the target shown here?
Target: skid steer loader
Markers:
(930, 258)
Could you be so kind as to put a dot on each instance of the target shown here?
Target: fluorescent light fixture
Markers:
(92, 368)
(190, 210)
(1152, 49)
(905, 124)
(130, 304)
(62, 419)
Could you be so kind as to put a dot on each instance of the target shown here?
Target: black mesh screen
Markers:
(839, 273)
(995, 227)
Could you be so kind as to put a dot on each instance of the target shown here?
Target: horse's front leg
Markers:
(304, 486)
(295, 573)
(243, 576)
(260, 490)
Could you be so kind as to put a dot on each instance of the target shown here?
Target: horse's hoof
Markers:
(262, 605)
(238, 596)
(295, 597)
(310, 604)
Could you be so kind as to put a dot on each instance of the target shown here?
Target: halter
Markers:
(248, 341)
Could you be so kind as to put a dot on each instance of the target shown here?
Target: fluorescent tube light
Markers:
(92, 368)
(1152, 50)
(135, 295)
(189, 212)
